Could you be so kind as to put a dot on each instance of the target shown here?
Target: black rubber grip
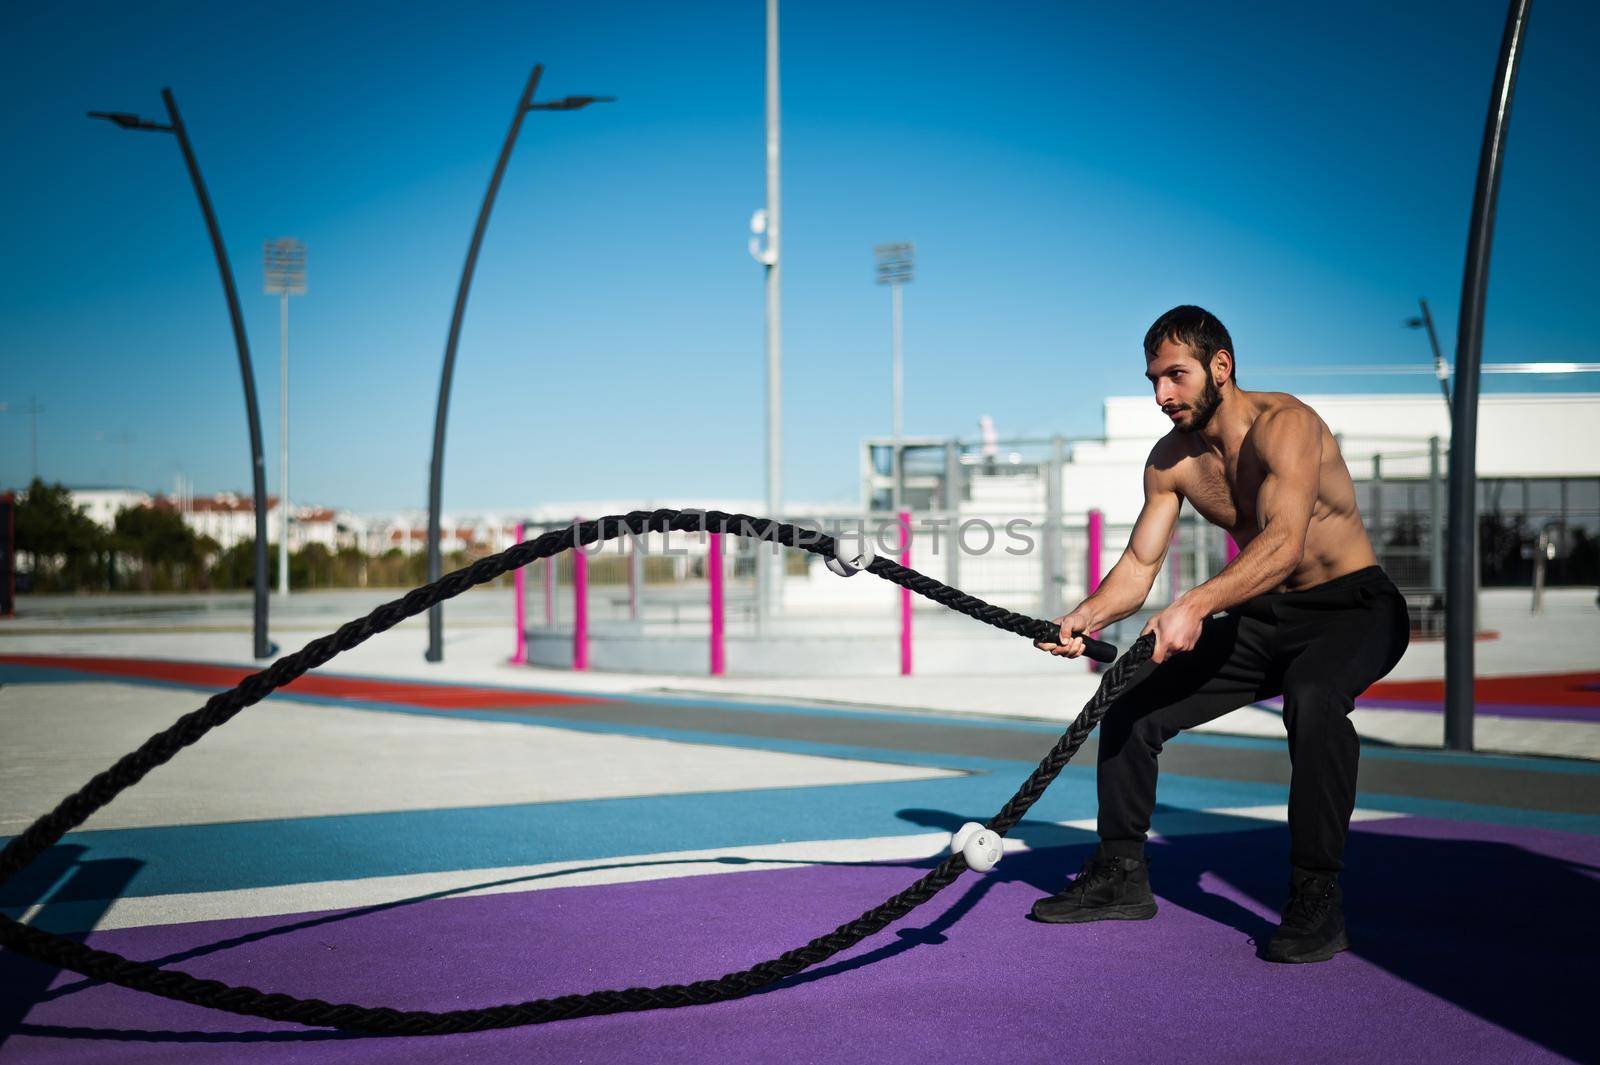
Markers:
(1098, 650)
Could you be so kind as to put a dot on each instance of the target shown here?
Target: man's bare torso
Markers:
(1223, 488)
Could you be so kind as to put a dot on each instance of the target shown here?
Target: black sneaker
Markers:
(1108, 889)
(1313, 922)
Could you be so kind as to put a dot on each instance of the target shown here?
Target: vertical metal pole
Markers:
(768, 561)
(549, 565)
(283, 442)
(952, 477)
(1050, 557)
(1097, 536)
(258, 466)
(949, 503)
(719, 653)
(635, 574)
(1440, 369)
(436, 466)
(1436, 520)
(519, 611)
(1091, 571)
(905, 595)
(896, 386)
(1377, 507)
(1460, 565)
(580, 605)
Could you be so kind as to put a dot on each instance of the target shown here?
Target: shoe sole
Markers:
(1340, 942)
(1141, 912)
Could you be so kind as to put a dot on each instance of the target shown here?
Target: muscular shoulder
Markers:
(1285, 426)
(1162, 468)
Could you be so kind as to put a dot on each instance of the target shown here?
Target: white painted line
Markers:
(385, 890)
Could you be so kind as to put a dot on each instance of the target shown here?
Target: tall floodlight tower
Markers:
(766, 222)
(284, 261)
(895, 263)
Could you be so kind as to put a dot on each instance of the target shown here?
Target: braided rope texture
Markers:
(248, 1001)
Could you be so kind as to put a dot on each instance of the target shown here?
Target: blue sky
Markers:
(1067, 171)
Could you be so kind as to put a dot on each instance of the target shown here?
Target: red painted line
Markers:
(395, 692)
(1534, 689)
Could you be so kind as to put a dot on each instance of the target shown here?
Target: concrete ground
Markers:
(468, 833)
(1563, 640)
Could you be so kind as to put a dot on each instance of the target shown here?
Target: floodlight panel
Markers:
(284, 262)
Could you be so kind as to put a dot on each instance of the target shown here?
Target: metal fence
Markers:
(1004, 536)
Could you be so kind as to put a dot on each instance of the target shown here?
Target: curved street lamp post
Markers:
(525, 104)
(125, 120)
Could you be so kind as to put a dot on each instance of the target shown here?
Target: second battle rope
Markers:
(248, 1001)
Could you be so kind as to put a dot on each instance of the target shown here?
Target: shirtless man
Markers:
(1304, 612)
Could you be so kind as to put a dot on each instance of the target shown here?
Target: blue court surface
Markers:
(430, 846)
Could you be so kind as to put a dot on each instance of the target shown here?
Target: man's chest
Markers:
(1223, 489)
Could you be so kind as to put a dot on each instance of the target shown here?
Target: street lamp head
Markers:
(570, 103)
(128, 120)
(1413, 323)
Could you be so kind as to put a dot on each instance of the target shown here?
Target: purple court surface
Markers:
(1471, 895)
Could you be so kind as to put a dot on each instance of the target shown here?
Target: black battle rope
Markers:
(130, 769)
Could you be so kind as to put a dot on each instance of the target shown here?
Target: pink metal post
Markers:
(719, 659)
(905, 596)
(519, 584)
(1233, 549)
(1097, 539)
(580, 607)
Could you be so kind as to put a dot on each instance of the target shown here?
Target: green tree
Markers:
(168, 552)
(235, 568)
(311, 567)
(62, 542)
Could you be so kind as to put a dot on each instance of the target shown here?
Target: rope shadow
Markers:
(83, 890)
(17, 1025)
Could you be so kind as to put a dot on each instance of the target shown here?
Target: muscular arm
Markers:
(1290, 445)
(1126, 587)
(1128, 584)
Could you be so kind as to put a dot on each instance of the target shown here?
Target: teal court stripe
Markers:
(241, 855)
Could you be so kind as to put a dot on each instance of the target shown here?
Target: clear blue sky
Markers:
(1067, 171)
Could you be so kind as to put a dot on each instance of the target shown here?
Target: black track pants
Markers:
(1319, 649)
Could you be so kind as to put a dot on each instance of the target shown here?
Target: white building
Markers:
(407, 532)
(1549, 438)
(102, 504)
(1538, 475)
(229, 518)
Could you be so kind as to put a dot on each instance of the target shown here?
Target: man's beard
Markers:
(1203, 408)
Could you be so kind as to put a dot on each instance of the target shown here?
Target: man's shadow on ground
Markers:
(1501, 931)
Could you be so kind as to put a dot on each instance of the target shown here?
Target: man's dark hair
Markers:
(1196, 327)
